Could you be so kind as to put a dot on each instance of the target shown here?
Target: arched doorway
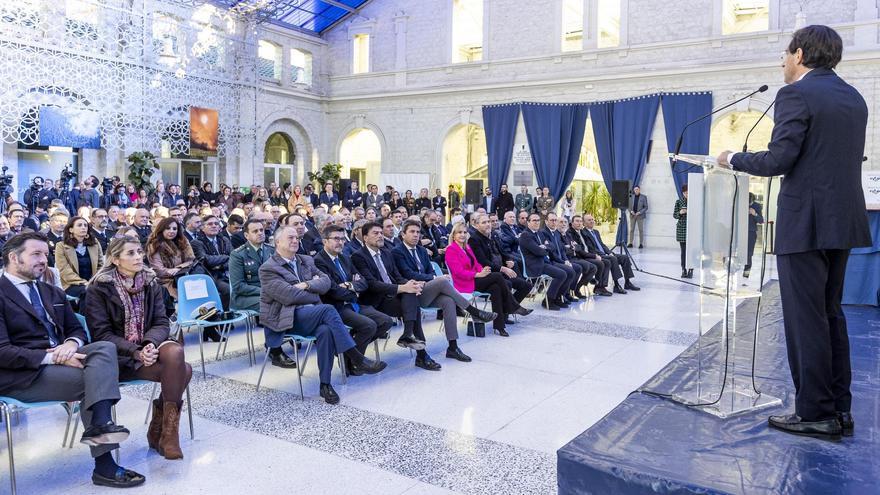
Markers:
(361, 157)
(464, 156)
(278, 160)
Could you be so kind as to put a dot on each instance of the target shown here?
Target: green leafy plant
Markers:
(597, 202)
(141, 165)
(329, 173)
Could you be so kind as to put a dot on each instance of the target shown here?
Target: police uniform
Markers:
(244, 275)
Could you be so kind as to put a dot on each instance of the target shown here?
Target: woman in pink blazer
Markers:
(468, 275)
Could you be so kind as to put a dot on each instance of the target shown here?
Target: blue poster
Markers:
(71, 127)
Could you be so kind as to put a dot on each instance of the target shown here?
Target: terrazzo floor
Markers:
(490, 426)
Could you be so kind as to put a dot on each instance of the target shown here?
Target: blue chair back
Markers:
(438, 272)
(82, 321)
(202, 290)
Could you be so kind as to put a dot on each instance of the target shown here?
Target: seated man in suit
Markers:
(216, 249)
(389, 234)
(577, 277)
(43, 355)
(486, 251)
(432, 240)
(353, 197)
(507, 237)
(534, 250)
(290, 301)
(590, 270)
(413, 263)
(618, 261)
(367, 324)
(387, 290)
(580, 249)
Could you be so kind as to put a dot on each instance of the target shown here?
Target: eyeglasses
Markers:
(336, 239)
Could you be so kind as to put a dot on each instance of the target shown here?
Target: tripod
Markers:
(622, 244)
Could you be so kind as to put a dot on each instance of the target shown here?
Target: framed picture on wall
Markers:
(204, 130)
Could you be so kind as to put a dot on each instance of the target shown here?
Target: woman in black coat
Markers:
(124, 305)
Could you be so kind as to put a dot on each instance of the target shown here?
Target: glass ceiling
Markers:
(309, 15)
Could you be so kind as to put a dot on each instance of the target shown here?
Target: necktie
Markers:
(41, 314)
(598, 244)
(381, 267)
(354, 305)
(556, 241)
(295, 270)
(416, 258)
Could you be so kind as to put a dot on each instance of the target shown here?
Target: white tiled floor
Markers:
(533, 391)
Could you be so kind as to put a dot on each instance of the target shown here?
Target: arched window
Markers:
(361, 156)
(279, 150)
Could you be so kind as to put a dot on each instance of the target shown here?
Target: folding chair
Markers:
(250, 326)
(292, 339)
(473, 297)
(194, 291)
(8, 405)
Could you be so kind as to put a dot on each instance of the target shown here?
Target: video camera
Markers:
(107, 185)
(6, 182)
(67, 174)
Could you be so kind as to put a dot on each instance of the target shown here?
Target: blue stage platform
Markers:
(651, 445)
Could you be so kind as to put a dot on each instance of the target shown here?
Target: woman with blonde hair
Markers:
(296, 198)
(124, 306)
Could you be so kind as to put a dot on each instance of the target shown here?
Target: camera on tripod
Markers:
(67, 174)
(5, 182)
(107, 185)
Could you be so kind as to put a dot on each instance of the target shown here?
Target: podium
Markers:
(717, 243)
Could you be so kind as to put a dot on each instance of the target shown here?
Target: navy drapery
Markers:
(678, 110)
(623, 132)
(555, 132)
(500, 125)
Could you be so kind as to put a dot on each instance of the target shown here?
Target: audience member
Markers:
(621, 267)
(78, 256)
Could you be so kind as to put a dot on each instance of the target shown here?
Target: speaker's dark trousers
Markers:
(811, 284)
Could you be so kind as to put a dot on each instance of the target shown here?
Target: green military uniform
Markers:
(244, 275)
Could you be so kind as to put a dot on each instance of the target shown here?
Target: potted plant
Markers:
(329, 173)
(141, 165)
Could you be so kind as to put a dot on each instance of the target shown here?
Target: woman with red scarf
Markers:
(127, 309)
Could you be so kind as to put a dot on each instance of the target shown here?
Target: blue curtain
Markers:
(678, 110)
(623, 132)
(555, 132)
(500, 126)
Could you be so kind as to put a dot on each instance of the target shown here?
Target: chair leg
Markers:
(263, 369)
(189, 413)
(202, 350)
(249, 329)
(8, 419)
(376, 349)
(341, 359)
(305, 358)
(299, 378)
(150, 402)
(70, 406)
(75, 424)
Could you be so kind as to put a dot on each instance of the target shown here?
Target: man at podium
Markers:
(818, 142)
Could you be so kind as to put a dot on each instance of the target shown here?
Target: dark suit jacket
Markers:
(533, 253)
(507, 242)
(556, 249)
(336, 295)
(504, 204)
(818, 142)
(601, 249)
(331, 200)
(484, 251)
(23, 339)
(217, 260)
(351, 247)
(489, 208)
(352, 199)
(377, 289)
(406, 265)
(373, 202)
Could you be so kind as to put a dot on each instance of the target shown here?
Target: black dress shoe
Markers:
(125, 478)
(619, 290)
(562, 303)
(521, 311)
(827, 429)
(629, 245)
(367, 367)
(573, 297)
(328, 394)
(428, 364)
(847, 424)
(508, 321)
(411, 342)
(629, 286)
(502, 332)
(601, 291)
(282, 360)
(104, 434)
(684, 273)
(210, 334)
(691, 273)
(641, 246)
(457, 354)
(481, 316)
(553, 306)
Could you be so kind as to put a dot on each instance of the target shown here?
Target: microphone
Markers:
(746, 142)
(713, 112)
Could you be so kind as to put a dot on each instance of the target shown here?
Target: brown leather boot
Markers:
(169, 443)
(154, 432)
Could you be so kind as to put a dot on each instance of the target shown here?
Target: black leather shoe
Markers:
(573, 297)
(521, 311)
(619, 290)
(482, 316)
(125, 478)
(508, 321)
(411, 342)
(104, 434)
(282, 360)
(457, 354)
(367, 367)
(690, 273)
(827, 429)
(641, 246)
(328, 394)
(847, 424)
(629, 286)
(562, 303)
(629, 245)
(210, 334)
(601, 291)
(428, 364)
(684, 273)
(553, 307)
(502, 332)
